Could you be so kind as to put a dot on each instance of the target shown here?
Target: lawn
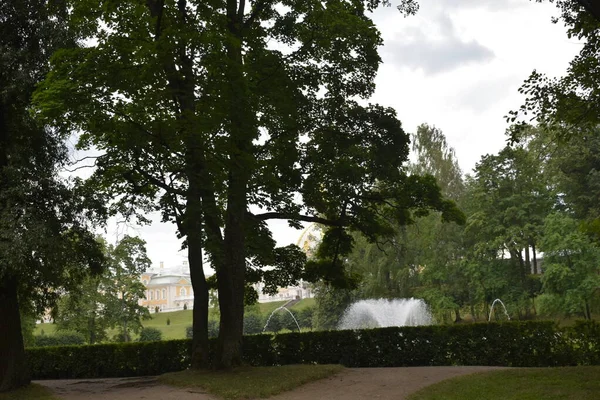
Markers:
(566, 383)
(30, 392)
(251, 382)
(179, 320)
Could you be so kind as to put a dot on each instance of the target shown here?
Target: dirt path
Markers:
(351, 384)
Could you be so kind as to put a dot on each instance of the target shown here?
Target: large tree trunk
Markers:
(193, 226)
(241, 128)
(200, 313)
(13, 369)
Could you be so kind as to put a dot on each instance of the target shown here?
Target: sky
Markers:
(456, 65)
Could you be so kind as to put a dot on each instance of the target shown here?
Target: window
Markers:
(157, 294)
(150, 295)
(164, 294)
(182, 292)
(145, 282)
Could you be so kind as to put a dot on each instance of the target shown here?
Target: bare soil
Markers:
(351, 384)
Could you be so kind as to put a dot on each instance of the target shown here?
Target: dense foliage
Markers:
(45, 242)
(198, 113)
(110, 299)
(517, 344)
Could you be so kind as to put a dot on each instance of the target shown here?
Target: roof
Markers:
(168, 280)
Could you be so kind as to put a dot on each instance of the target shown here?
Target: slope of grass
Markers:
(302, 304)
(251, 382)
(30, 392)
(567, 383)
(179, 320)
(49, 329)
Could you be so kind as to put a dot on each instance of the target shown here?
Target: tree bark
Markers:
(200, 313)
(535, 266)
(193, 226)
(14, 372)
(457, 314)
(241, 128)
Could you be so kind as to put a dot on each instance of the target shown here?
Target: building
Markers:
(302, 291)
(168, 289)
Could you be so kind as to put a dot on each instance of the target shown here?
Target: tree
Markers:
(83, 310)
(509, 200)
(567, 109)
(571, 260)
(110, 299)
(45, 244)
(200, 115)
(123, 289)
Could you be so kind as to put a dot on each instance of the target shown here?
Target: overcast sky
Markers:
(457, 65)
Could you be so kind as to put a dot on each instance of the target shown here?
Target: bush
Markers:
(168, 321)
(517, 344)
(213, 329)
(64, 338)
(150, 335)
(275, 323)
(253, 323)
(122, 337)
(305, 317)
(109, 360)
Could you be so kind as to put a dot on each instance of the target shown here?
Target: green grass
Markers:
(30, 392)
(268, 308)
(251, 382)
(304, 303)
(48, 329)
(566, 383)
(176, 330)
(182, 319)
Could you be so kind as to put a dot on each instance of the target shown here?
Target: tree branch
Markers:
(259, 6)
(298, 217)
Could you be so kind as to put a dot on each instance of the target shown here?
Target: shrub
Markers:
(168, 321)
(213, 329)
(64, 338)
(150, 335)
(518, 344)
(253, 323)
(275, 323)
(305, 317)
(122, 337)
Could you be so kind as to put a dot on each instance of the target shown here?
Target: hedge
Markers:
(515, 344)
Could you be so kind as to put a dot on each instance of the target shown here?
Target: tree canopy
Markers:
(221, 114)
(45, 242)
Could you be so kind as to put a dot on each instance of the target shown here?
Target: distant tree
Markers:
(83, 310)
(127, 260)
(111, 299)
(567, 109)
(571, 266)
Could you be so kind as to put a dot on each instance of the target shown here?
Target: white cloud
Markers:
(435, 47)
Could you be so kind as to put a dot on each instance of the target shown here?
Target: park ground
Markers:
(350, 384)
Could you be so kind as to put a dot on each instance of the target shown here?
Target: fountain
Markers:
(492, 309)
(277, 309)
(382, 313)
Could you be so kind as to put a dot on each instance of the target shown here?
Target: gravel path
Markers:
(351, 384)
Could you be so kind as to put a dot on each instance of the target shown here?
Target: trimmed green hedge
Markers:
(517, 344)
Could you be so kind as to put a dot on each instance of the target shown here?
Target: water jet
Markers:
(380, 313)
